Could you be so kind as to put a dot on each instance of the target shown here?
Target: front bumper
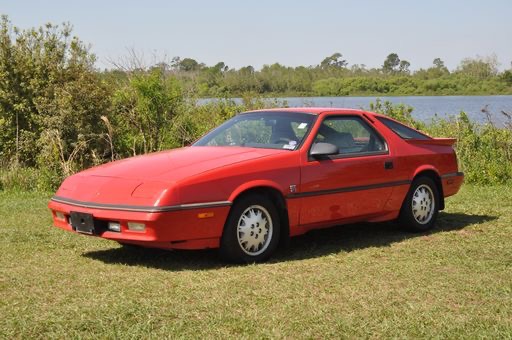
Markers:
(192, 227)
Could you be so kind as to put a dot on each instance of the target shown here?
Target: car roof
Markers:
(317, 110)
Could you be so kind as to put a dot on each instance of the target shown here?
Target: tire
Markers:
(252, 230)
(421, 206)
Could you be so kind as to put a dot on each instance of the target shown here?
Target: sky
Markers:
(293, 33)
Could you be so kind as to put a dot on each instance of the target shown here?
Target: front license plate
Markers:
(82, 222)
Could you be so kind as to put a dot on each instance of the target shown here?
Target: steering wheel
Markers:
(282, 140)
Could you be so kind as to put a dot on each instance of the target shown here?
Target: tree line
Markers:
(334, 76)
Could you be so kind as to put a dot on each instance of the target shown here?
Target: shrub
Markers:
(48, 85)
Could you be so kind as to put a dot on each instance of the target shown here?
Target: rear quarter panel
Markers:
(411, 159)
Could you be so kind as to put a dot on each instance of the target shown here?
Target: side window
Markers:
(351, 135)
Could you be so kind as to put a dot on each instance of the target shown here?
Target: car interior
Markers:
(365, 140)
(282, 133)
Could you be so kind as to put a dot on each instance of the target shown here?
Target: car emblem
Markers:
(293, 188)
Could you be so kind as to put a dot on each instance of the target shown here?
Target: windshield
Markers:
(270, 130)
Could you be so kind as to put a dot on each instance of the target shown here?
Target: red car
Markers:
(262, 177)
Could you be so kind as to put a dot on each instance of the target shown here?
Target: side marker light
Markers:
(205, 215)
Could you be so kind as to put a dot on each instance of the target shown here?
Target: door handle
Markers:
(388, 165)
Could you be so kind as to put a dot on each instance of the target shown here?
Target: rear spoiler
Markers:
(433, 141)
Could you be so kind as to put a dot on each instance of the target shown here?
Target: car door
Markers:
(356, 182)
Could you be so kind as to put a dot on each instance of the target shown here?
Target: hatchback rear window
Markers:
(402, 130)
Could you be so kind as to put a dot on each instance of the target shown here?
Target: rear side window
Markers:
(402, 130)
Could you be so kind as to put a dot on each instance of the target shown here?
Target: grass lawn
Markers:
(368, 280)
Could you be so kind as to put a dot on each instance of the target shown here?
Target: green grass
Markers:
(368, 280)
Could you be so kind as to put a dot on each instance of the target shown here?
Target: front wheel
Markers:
(421, 206)
(251, 233)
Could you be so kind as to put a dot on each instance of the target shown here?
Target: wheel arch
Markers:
(274, 194)
(433, 174)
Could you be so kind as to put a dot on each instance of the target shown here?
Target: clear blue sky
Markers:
(289, 32)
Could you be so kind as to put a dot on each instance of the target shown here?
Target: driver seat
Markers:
(282, 130)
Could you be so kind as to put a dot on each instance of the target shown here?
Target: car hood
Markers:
(174, 165)
(146, 180)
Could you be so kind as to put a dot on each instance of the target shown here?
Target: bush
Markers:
(48, 87)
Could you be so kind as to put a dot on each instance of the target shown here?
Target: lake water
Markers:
(425, 107)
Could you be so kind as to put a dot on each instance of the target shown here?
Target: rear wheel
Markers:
(421, 206)
(251, 233)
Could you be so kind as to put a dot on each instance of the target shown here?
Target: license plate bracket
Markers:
(82, 222)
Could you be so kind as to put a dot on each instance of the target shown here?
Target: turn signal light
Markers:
(136, 226)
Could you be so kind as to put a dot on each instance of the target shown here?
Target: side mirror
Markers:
(323, 149)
